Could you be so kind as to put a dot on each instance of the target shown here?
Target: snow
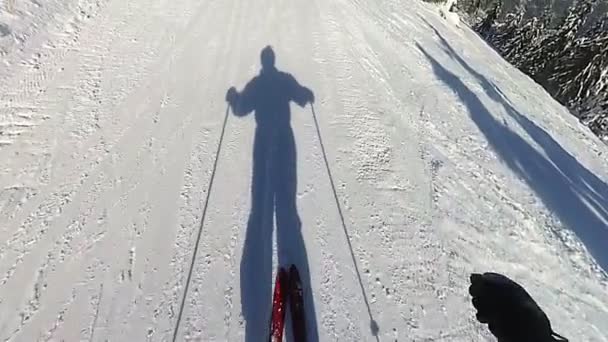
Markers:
(445, 161)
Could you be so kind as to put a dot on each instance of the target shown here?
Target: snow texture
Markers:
(444, 160)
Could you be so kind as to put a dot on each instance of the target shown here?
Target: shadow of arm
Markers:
(299, 93)
(242, 103)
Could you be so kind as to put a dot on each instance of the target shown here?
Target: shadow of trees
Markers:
(574, 194)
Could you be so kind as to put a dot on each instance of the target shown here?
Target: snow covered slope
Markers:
(445, 161)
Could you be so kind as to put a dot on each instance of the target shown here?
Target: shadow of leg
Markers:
(256, 280)
(293, 251)
(256, 262)
(290, 243)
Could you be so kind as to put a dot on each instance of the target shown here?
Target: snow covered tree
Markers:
(557, 47)
(484, 28)
(505, 33)
(582, 69)
(584, 82)
(572, 66)
(532, 60)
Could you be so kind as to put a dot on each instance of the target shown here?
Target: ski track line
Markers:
(215, 262)
(32, 203)
(151, 331)
(109, 130)
(48, 66)
(43, 100)
(72, 248)
(213, 111)
(30, 72)
(103, 140)
(312, 177)
(330, 263)
(430, 216)
(226, 244)
(335, 316)
(159, 260)
(137, 249)
(145, 259)
(97, 162)
(134, 181)
(342, 72)
(83, 177)
(392, 229)
(88, 183)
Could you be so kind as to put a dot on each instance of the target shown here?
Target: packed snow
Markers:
(127, 186)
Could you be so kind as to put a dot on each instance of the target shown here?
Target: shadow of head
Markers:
(268, 58)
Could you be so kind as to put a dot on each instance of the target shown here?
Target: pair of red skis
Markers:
(288, 287)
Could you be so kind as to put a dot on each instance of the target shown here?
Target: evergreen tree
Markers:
(572, 66)
(580, 70)
(485, 27)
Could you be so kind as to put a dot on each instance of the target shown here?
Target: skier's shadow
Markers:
(273, 194)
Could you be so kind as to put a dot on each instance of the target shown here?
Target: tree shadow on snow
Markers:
(273, 195)
(574, 194)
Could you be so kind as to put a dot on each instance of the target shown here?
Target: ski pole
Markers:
(373, 324)
(200, 228)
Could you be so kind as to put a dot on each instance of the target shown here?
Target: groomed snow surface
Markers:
(445, 161)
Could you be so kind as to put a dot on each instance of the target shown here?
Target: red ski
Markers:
(296, 301)
(277, 321)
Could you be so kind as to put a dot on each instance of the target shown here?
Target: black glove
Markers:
(511, 314)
